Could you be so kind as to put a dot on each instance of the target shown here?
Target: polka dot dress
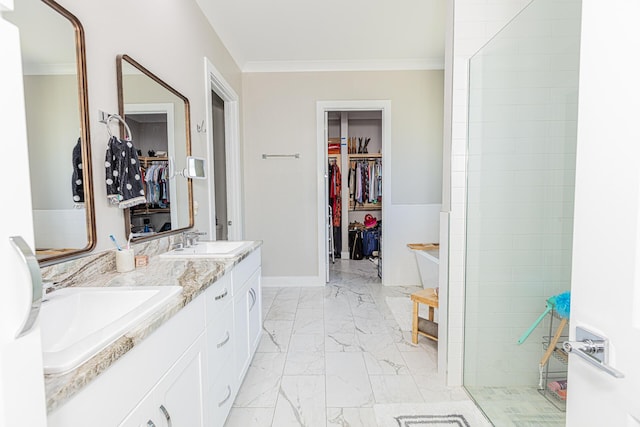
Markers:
(122, 174)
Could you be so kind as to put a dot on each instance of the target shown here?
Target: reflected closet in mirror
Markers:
(158, 117)
(55, 88)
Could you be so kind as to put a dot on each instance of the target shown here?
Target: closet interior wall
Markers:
(342, 126)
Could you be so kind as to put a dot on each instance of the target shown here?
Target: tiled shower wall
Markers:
(472, 24)
(520, 188)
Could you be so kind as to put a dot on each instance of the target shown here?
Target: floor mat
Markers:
(441, 414)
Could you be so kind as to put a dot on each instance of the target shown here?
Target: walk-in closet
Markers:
(151, 133)
(354, 154)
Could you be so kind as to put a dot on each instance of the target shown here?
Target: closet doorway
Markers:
(222, 129)
(353, 142)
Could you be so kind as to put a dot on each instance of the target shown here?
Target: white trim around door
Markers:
(383, 106)
(216, 83)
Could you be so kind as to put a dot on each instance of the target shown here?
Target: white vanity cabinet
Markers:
(247, 297)
(177, 399)
(233, 332)
(186, 373)
(166, 369)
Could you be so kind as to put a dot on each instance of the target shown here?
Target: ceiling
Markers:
(306, 35)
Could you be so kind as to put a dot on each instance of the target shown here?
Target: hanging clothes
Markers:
(352, 180)
(156, 184)
(365, 181)
(335, 194)
(335, 201)
(379, 180)
(372, 187)
(358, 193)
(122, 174)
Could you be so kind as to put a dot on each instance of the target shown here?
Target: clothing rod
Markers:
(267, 156)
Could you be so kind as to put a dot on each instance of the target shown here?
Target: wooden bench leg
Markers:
(414, 329)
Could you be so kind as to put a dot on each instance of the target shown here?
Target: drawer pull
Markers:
(166, 415)
(151, 424)
(224, 341)
(226, 397)
(222, 295)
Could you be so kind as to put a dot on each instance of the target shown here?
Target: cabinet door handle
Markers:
(252, 292)
(151, 424)
(166, 415)
(223, 401)
(222, 295)
(224, 341)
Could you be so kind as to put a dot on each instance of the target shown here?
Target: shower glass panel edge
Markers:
(520, 176)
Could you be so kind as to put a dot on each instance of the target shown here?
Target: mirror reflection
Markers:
(52, 44)
(158, 117)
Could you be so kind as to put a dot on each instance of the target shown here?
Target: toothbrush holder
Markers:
(125, 260)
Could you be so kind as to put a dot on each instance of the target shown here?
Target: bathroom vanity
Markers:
(181, 367)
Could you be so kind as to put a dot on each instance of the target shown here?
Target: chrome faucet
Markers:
(190, 238)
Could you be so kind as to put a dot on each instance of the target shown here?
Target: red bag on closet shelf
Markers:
(333, 146)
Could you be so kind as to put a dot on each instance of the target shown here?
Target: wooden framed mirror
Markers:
(158, 117)
(56, 105)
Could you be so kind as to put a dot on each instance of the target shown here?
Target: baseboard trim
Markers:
(292, 281)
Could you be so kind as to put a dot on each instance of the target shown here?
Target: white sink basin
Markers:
(77, 323)
(210, 249)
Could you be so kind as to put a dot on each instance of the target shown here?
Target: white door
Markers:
(22, 401)
(605, 290)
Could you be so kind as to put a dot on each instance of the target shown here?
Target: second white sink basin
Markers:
(77, 323)
(210, 249)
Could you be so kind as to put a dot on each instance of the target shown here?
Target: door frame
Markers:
(384, 106)
(162, 108)
(214, 82)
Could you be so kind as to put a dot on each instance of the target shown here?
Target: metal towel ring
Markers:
(121, 120)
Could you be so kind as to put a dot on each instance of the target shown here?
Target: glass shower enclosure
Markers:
(523, 98)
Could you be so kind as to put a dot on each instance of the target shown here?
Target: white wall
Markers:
(170, 39)
(280, 194)
(53, 123)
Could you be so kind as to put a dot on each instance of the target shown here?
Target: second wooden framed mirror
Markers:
(158, 117)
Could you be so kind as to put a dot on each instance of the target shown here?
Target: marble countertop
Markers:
(194, 275)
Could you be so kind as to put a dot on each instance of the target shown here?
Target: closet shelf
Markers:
(150, 211)
(146, 159)
(367, 207)
(365, 156)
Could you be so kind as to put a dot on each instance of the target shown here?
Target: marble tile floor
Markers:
(328, 355)
(517, 407)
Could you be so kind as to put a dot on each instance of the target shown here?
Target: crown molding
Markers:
(343, 65)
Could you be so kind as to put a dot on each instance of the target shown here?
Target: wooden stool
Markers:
(426, 327)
